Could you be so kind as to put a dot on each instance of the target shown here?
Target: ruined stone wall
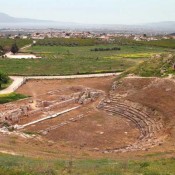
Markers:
(13, 116)
(37, 107)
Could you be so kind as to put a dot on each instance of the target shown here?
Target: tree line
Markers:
(70, 42)
(44, 43)
(105, 49)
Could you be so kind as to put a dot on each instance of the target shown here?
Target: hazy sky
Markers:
(93, 11)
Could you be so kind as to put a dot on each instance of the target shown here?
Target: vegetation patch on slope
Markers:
(167, 43)
(157, 66)
(13, 165)
(11, 97)
(5, 81)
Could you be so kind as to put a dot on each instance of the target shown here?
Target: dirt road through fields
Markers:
(18, 81)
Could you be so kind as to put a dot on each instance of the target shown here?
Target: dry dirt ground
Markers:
(158, 95)
(97, 130)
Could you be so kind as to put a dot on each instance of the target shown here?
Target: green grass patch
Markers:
(4, 86)
(66, 65)
(20, 42)
(11, 97)
(166, 43)
(137, 56)
(154, 67)
(86, 50)
(16, 165)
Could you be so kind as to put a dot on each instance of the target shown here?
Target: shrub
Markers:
(3, 79)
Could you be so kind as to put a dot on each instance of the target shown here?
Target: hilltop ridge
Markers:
(10, 21)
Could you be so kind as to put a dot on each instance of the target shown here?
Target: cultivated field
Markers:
(63, 60)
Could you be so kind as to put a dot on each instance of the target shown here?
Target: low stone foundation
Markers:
(35, 107)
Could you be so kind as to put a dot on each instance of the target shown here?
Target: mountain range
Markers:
(4, 18)
(9, 21)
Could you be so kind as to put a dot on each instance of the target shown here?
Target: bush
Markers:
(14, 48)
(3, 79)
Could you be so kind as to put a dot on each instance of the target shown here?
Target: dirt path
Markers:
(9, 152)
(18, 81)
(71, 76)
(25, 47)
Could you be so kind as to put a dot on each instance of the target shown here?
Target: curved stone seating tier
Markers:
(151, 128)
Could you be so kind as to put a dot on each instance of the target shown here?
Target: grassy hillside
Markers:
(158, 66)
(17, 165)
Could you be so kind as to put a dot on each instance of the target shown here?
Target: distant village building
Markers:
(24, 37)
(105, 38)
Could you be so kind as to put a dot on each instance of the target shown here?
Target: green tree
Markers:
(1, 51)
(14, 48)
(3, 79)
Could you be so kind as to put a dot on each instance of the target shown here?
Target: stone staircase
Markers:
(152, 132)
